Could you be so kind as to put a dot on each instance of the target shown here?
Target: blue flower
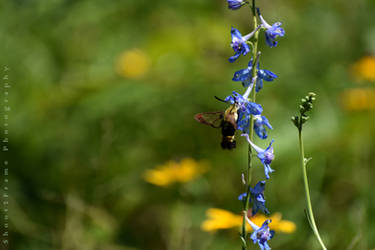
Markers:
(243, 122)
(239, 44)
(260, 122)
(244, 105)
(266, 75)
(242, 197)
(244, 75)
(235, 98)
(245, 109)
(261, 235)
(265, 155)
(256, 197)
(272, 32)
(235, 4)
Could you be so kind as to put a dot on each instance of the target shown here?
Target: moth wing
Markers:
(212, 119)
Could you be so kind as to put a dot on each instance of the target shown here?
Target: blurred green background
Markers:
(104, 90)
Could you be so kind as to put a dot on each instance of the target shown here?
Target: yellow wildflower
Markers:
(222, 219)
(132, 63)
(358, 99)
(171, 172)
(364, 69)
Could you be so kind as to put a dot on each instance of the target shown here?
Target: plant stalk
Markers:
(307, 192)
(251, 130)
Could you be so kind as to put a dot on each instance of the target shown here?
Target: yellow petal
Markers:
(157, 178)
(284, 226)
(223, 219)
(220, 219)
(185, 171)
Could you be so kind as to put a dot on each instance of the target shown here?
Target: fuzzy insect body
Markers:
(225, 120)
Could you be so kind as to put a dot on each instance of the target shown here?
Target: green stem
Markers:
(251, 130)
(307, 192)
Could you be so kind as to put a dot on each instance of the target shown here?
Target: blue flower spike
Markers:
(239, 44)
(266, 156)
(261, 235)
(260, 122)
(235, 4)
(272, 32)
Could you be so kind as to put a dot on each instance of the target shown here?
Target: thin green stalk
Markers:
(251, 130)
(307, 192)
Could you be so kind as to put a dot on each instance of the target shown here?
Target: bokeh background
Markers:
(104, 91)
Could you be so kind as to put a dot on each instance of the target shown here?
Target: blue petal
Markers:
(259, 205)
(245, 48)
(229, 99)
(244, 75)
(272, 232)
(260, 199)
(266, 75)
(234, 57)
(235, 33)
(242, 196)
(243, 124)
(250, 64)
(261, 156)
(267, 170)
(259, 128)
(265, 225)
(260, 131)
(265, 246)
(234, 4)
(258, 188)
(276, 30)
(269, 146)
(254, 108)
(241, 75)
(266, 122)
(254, 236)
(239, 98)
(259, 84)
(270, 40)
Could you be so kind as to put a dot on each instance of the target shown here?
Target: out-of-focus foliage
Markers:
(103, 91)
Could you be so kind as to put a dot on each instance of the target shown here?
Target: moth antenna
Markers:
(217, 98)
